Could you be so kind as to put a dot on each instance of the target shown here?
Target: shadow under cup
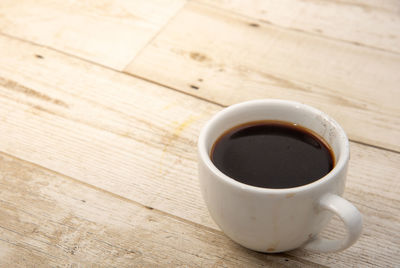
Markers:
(263, 219)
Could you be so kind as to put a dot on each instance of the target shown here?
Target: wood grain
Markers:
(110, 32)
(137, 140)
(224, 58)
(363, 23)
(50, 220)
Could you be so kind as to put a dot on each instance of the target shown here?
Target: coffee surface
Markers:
(272, 154)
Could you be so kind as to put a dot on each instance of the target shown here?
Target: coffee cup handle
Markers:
(351, 218)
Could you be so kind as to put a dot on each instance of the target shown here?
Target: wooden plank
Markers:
(222, 57)
(374, 23)
(103, 119)
(109, 32)
(47, 219)
(138, 140)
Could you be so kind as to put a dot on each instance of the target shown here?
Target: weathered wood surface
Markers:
(227, 58)
(374, 24)
(81, 126)
(109, 32)
(47, 219)
(98, 167)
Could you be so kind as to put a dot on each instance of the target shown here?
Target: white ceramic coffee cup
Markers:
(276, 220)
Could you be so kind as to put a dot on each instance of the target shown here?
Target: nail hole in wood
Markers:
(254, 24)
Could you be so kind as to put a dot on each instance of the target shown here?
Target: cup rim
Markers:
(343, 157)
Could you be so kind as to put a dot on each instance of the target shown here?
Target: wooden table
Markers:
(101, 103)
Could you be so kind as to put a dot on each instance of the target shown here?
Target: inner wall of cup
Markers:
(301, 115)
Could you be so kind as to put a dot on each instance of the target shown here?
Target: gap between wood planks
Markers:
(263, 21)
(160, 84)
(154, 210)
(154, 36)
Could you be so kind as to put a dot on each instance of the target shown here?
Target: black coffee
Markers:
(272, 154)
